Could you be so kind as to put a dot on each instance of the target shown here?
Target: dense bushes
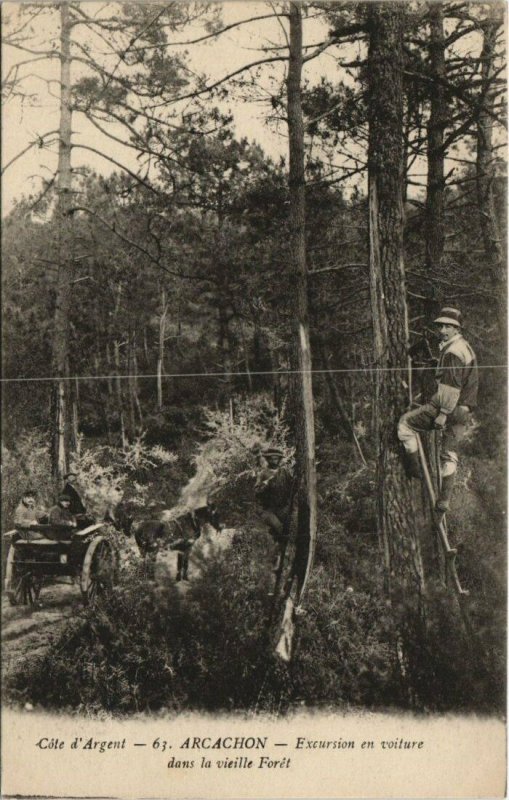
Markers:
(150, 646)
(146, 647)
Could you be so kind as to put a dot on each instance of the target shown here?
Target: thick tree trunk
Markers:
(395, 508)
(435, 221)
(305, 433)
(61, 427)
(492, 237)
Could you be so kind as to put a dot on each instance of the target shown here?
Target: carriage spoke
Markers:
(98, 569)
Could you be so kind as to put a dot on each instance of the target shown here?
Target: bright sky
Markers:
(23, 122)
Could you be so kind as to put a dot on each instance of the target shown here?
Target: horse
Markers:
(173, 531)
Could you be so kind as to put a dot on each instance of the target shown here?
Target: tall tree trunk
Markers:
(104, 404)
(61, 423)
(136, 383)
(301, 384)
(75, 416)
(395, 507)
(492, 238)
(145, 347)
(225, 345)
(120, 404)
(131, 384)
(435, 222)
(305, 433)
(245, 349)
(160, 352)
(109, 368)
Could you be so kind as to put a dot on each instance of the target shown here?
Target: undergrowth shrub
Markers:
(26, 464)
(344, 653)
(147, 647)
(106, 474)
(117, 656)
(226, 461)
(452, 668)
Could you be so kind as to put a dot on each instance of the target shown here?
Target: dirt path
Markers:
(28, 630)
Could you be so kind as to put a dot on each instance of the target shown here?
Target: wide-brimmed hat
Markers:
(64, 497)
(272, 452)
(449, 316)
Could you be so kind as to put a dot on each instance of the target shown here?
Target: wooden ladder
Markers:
(449, 552)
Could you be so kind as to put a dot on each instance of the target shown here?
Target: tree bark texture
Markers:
(61, 427)
(435, 221)
(395, 507)
(305, 432)
(485, 165)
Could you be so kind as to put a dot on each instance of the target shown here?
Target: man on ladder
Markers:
(449, 410)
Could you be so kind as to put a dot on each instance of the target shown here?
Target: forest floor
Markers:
(29, 630)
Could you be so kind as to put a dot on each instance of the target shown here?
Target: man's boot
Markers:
(444, 498)
(412, 464)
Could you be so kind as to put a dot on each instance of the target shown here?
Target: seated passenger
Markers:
(61, 513)
(26, 515)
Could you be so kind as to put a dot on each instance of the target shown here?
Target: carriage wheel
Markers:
(22, 587)
(99, 571)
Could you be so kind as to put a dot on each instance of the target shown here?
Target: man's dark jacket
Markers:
(76, 506)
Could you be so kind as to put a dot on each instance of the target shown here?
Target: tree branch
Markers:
(340, 268)
(134, 244)
(120, 166)
(39, 141)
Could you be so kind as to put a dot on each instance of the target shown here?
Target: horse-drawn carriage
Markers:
(44, 553)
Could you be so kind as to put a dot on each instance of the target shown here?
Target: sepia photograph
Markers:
(254, 399)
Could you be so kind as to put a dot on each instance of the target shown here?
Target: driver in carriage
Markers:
(76, 505)
(27, 515)
(61, 514)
